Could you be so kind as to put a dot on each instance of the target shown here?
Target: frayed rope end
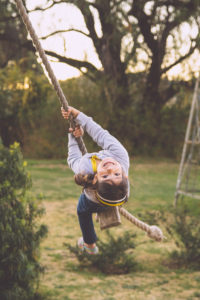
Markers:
(156, 233)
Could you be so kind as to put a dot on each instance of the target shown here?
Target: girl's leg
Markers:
(85, 209)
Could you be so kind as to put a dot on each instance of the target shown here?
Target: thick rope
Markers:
(47, 65)
(152, 231)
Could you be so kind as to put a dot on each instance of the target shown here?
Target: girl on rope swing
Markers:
(103, 174)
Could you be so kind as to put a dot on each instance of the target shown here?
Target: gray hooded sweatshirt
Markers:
(111, 148)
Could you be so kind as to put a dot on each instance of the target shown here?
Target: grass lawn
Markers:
(152, 188)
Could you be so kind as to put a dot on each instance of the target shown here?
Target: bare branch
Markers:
(63, 31)
(169, 26)
(89, 21)
(144, 24)
(191, 50)
(37, 8)
(92, 72)
(73, 62)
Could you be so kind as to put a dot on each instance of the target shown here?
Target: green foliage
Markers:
(172, 131)
(152, 129)
(168, 136)
(30, 114)
(186, 232)
(182, 225)
(13, 33)
(115, 256)
(20, 236)
(87, 97)
(48, 136)
(23, 94)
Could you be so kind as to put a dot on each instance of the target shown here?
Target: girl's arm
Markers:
(74, 154)
(99, 135)
(103, 138)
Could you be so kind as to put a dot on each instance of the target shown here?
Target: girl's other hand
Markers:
(77, 132)
(71, 111)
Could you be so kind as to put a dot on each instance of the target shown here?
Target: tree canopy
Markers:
(137, 43)
(132, 32)
(13, 34)
(127, 35)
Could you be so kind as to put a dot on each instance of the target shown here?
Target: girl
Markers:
(103, 174)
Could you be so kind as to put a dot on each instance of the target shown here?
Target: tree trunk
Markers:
(151, 104)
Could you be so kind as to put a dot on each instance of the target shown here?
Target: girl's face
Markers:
(110, 171)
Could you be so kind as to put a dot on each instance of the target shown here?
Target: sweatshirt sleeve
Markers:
(74, 154)
(103, 138)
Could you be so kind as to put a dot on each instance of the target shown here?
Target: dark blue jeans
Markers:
(85, 209)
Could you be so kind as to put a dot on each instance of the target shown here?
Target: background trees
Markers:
(126, 34)
(13, 35)
(23, 94)
(160, 24)
(136, 42)
(23, 86)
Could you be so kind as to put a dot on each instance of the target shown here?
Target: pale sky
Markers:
(77, 46)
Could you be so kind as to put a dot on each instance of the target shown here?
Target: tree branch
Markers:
(173, 89)
(73, 62)
(63, 31)
(191, 50)
(144, 24)
(37, 8)
(89, 21)
(169, 26)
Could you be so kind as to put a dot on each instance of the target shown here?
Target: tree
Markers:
(157, 21)
(146, 26)
(112, 78)
(23, 87)
(13, 34)
(18, 70)
(24, 92)
(127, 30)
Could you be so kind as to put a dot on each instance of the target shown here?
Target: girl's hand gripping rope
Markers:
(71, 111)
(78, 130)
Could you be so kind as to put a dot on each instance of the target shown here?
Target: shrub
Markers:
(20, 235)
(115, 256)
(182, 225)
(186, 232)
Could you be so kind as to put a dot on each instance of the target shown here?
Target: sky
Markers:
(77, 46)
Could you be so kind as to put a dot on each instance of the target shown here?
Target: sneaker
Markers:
(83, 247)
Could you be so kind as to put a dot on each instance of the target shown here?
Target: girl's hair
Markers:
(104, 189)
(113, 191)
(85, 180)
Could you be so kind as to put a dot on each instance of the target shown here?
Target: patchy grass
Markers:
(152, 188)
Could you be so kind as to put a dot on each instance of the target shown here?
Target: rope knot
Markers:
(155, 233)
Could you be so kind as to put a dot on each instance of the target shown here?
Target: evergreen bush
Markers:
(20, 235)
(182, 225)
(115, 256)
(186, 232)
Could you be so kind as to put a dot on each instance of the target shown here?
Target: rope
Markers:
(152, 231)
(48, 68)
